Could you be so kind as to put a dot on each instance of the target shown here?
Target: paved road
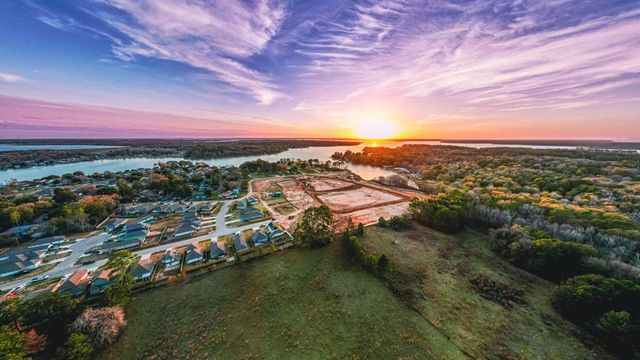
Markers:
(68, 265)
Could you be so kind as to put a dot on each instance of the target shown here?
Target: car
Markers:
(38, 279)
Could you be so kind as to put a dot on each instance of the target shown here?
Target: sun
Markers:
(376, 129)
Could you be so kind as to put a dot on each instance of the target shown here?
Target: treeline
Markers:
(211, 150)
(601, 295)
(376, 264)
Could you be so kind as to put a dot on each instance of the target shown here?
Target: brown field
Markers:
(361, 201)
(328, 184)
(345, 201)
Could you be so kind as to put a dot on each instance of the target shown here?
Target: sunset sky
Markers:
(230, 68)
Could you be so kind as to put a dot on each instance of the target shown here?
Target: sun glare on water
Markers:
(375, 129)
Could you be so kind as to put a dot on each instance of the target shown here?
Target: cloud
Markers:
(216, 36)
(10, 78)
(491, 55)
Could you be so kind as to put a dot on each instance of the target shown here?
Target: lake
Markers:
(322, 153)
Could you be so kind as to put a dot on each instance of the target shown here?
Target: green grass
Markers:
(298, 304)
(434, 274)
(316, 304)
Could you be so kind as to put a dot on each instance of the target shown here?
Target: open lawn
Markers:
(298, 304)
(434, 278)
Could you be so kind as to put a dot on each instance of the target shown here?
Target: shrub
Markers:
(102, 325)
(77, 347)
(494, 290)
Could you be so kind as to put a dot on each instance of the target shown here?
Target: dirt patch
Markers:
(344, 201)
(328, 184)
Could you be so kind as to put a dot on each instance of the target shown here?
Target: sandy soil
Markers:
(326, 184)
(345, 200)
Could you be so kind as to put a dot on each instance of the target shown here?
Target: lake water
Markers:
(10, 147)
(320, 153)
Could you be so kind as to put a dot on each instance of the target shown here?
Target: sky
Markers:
(539, 69)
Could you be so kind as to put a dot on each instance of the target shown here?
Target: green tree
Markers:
(557, 260)
(120, 292)
(63, 196)
(77, 347)
(360, 230)
(50, 312)
(316, 227)
(382, 222)
(13, 345)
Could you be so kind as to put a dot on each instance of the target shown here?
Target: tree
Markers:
(360, 230)
(120, 292)
(77, 347)
(382, 222)
(315, 227)
(50, 312)
(557, 260)
(101, 325)
(13, 345)
(63, 196)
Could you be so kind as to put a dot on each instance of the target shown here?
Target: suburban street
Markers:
(68, 266)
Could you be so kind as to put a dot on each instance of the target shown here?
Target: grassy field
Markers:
(299, 304)
(315, 304)
(436, 270)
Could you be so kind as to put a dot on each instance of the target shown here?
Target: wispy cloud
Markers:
(10, 78)
(215, 36)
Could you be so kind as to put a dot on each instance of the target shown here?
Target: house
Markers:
(9, 268)
(191, 218)
(171, 259)
(185, 230)
(76, 284)
(217, 250)
(139, 235)
(46, 243)
(206, 208)
(136, 227)
(112, 246)
(16, 262)
(251, 200)
(101, 281)
(239, 243)
(143, 270)
(193, 254)
(115, 224)
(241, 204)
(273, 231)
(259, 238)
(145, 219)
(250, 213)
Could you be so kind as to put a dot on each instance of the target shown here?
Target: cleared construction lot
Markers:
(347, 197)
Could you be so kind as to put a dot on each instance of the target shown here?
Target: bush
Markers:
(496, 291)
(77, 347)
(445, 213)
(102, 325)
(608, 307)
(557, 260)
(353, 246)
(399, 223)
(382, 222)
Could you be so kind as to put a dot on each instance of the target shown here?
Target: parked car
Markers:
(38, 279)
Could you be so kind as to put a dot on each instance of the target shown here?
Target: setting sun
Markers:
(376, 129)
